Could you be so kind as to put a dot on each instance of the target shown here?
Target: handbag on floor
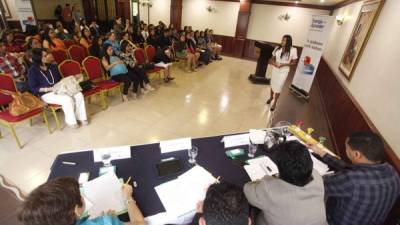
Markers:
(22, 102)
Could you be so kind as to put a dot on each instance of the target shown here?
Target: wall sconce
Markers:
(284, 17)
(147, 3)
(339, 20)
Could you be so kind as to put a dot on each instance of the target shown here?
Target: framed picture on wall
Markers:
(359, 37)
(5, 9)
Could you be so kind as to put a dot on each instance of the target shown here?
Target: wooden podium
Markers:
(265, 52)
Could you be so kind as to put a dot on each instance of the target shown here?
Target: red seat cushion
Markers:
(92, 91)
(12, 119)
(106, 84)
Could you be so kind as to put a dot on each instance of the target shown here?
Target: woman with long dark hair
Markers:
(42, 76)
(284, 56)
(119, 71)
(86, 39)
(51, 42)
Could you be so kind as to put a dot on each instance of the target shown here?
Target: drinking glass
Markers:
(193, 154)
(252, 149)
(106, 158)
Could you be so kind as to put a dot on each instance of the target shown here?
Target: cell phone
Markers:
(83, 178)
(169, 167)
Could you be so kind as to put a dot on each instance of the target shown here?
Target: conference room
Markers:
(172, 111)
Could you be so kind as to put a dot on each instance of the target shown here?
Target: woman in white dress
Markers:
(283, 57)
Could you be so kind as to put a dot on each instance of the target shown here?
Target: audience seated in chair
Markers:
(11, 45)
(86, 39)
(61, 32)
(128, 57)
(363, 192)
(182, 52)
(13, 66)
(51, 42)
(42, 76)
(96, 48)
(119, 71)
(225, 204)
(296, 196)
(112, 40)
(59, 202)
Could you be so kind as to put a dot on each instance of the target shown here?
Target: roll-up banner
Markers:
(311, 55)
(25, 13)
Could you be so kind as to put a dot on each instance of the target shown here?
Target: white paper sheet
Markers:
(259, 167)
(118, 152)
(176, 145)
(257, 136)
(105, 193)
(319, 166)
(180, 196)
(236, 140)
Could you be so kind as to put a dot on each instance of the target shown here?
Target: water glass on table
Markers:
(193, 154)
(252, 149)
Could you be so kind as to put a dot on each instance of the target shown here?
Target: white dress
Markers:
(279, 75)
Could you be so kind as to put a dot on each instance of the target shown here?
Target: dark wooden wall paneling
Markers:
(176, 13)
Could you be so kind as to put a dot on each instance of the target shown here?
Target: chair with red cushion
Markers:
(150, 52)
(77, 53)
(8, 120)
(73, 68)
(59, 56)
(68, 43)
(94, 71)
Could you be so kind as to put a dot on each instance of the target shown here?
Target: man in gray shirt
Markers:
(296, 196)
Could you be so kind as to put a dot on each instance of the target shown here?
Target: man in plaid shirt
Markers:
(362, 193)
(10, 65)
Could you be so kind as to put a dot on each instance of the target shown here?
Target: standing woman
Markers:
(42, 76)
(283, 57)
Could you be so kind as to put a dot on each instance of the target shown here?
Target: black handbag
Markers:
(86, 85)
(149, 66)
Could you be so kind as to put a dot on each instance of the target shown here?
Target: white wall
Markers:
(376, 82)
(12, 8)
(264, 23)
(222, 19)
(159, 11)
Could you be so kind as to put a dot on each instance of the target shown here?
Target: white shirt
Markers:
(285, 58)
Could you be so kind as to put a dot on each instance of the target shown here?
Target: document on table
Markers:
(105, 193)
(176, 145)
(118, 152)
(236, 140)
(180, 196)
(259, 167)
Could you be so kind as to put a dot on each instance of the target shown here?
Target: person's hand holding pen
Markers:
(127, 189)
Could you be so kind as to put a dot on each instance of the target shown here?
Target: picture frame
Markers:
(6, 9)
(362, 30)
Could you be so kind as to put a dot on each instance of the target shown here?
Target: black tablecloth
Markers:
(141, 167)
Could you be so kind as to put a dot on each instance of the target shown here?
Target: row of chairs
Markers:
(90, 66)
(92, 69)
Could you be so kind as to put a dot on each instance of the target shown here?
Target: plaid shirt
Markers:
(10, 65)
(360, 194)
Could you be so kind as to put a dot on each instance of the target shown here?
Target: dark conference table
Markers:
(141, 167)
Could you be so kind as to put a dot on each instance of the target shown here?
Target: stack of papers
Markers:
(119, 152)
(175, 145)
(259, 167)
(104, 193)
(181, 195)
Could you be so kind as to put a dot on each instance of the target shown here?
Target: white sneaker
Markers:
(73, 126)
(84, 122)
(143, 91)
